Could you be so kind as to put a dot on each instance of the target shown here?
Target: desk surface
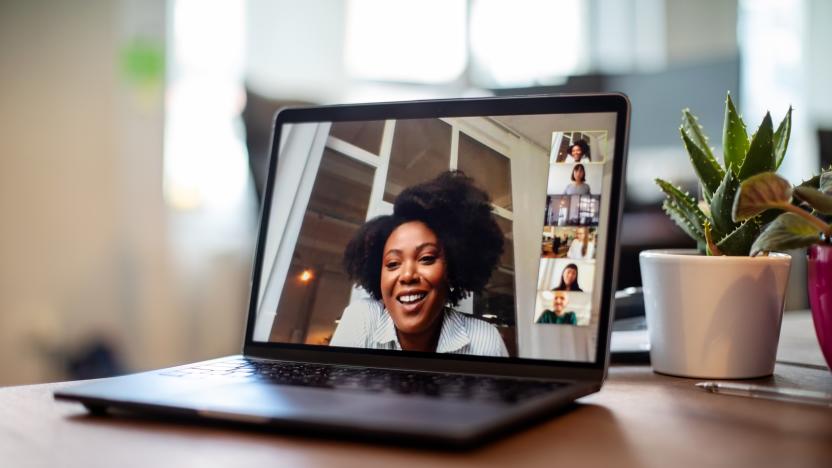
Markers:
(638, 419)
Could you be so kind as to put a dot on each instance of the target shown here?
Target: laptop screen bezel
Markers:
(514, 366)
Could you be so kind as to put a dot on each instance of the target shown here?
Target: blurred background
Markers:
(133, 136)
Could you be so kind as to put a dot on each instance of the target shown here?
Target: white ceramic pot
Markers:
(713, 317)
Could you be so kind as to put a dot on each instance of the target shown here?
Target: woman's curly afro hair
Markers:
(458, 213)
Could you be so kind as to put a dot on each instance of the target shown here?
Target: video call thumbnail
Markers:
(572, 210)
(577, 243)
(562, 308)
(575, 179)
(563, 274)
(579, 147)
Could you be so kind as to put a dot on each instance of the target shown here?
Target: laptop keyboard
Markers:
(437, 385)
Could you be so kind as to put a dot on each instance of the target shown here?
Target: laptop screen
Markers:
(473, 235)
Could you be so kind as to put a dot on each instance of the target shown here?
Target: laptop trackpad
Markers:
(258, 402)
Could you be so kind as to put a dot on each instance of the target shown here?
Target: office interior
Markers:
(134, 134)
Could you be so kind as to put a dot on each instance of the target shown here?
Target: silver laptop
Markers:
(430, 272)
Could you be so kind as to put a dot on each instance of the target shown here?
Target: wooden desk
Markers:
(638, 419)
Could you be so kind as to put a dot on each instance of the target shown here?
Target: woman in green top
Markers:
(559, 315)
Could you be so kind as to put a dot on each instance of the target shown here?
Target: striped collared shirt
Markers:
(367, 324)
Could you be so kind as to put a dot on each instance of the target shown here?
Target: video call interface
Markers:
(466, 235)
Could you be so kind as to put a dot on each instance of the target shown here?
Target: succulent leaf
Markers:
(705, 207)
(760, 193)
(694, 131)
(722, 202)
(760, 157)
(768, 216)
(682, 220)
(706, 197)
(825, 182)
(738, 242)
(781, 138)
(708, 170)
(734, 138)
(788, 231)
(712, 249)
(683, 209)
(815, 182)
(818, 200)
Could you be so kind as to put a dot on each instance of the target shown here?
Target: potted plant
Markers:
(715, 312)
(797, 228)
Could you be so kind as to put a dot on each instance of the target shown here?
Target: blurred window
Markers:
(527, 42)
(507, 259)
(417, 42)
(588, 209)
(347, 192)
(365, 135)
(487, 167)
(204, 156)
(423, 143)
(333, 216)
(774, 47)
(508, 44)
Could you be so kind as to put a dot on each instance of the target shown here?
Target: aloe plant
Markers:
(710, 222)
(795, 227)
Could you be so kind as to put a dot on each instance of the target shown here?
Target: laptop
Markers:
(430, 272)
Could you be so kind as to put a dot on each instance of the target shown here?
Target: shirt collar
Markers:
(452, 337)
(454, 334)
(385, 332)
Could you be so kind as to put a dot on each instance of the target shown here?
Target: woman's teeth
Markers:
(411, 298)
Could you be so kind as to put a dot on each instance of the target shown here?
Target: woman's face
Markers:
(579, 174)
(576, 152)
(569, 276)
(581, 234)
(414, 286)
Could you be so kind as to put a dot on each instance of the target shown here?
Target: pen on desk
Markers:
(794, 395)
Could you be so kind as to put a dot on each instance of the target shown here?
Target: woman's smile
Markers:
(411, 297)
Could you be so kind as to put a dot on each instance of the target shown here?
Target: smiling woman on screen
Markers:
(579, 152)
(569, 279)
(440, 244)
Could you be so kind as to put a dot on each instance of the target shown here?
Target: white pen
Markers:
(794, 395)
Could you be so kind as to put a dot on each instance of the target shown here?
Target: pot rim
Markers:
(692, 255)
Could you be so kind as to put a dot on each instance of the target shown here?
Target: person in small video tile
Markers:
(579, 152)
(558, 313)
(578, 186)
(557, 243)
(569, 279)
(582, 246)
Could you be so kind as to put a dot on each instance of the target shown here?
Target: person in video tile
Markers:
(569, 279)
(578, 186)
(558, 314)
(440, 245)
(579, 152)
(582, 246)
